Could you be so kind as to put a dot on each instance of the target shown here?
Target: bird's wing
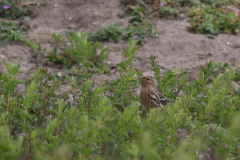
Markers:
(159, 97)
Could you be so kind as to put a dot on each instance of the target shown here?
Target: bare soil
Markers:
(176, 48)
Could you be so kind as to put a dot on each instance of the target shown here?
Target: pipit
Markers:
(151, 97)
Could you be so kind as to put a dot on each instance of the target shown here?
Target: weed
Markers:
(11, 33)
(168, 12)
(10, 10)
(137, 12)
(4, 26)
(91, 119)
(140, 26)
(114, 33)
(134, 2)
(212, 20)
(82, 53)
(219, 2)
(184, 2)
(14, 36)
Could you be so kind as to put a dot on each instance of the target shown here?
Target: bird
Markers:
(150, 96)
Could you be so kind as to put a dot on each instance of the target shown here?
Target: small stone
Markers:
(228, 43)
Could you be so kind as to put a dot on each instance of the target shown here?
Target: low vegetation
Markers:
(212, 20)
(208, 17)
(14, 9)
(116, 34)
(10, 31)
(105, 121)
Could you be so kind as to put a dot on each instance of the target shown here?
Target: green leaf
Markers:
(14, 69)
(209, 35)
(11, 86)
(7, 65)
(122, 65)
(34, 134)
(18, 81)
(5, 77)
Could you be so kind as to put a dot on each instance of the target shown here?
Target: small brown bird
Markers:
(151, 97)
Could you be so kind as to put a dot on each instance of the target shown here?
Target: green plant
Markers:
(133, 2)
(113, 34)
(9, 148)
(105, 120)
(168, 12)
(123, 88)
(12, 10)
(212, 20)
(4, 26)
(184, 2)
(138, 12)
(10, 82)
(14, 36)
(181, 3)
(82, 54)
(116, 34)
(219, 2)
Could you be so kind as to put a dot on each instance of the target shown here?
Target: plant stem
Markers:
(178, 90)
(198, 125)
(8, 102)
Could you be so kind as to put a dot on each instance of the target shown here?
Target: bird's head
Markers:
(147, 81)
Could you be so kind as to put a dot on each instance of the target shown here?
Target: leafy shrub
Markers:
(4, 26)
(113, 33)
(10, 10)
(184, 2)
(137, 12)
(81, 53)
(14, 36)
(11, 33)
(105, 121)
(168, 12)
(219, 2)
(123, 88)
(9, 148)
(134, 2)
(116, 34)
(181, 3)
(212, 20)
(196, 2)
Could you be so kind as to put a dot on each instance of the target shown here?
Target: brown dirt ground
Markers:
(175, 48)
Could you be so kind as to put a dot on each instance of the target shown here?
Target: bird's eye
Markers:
(148, 79)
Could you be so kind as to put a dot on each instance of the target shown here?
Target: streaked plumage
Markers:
(151, 97)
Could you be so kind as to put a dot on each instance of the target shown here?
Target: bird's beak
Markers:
(139, 77)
